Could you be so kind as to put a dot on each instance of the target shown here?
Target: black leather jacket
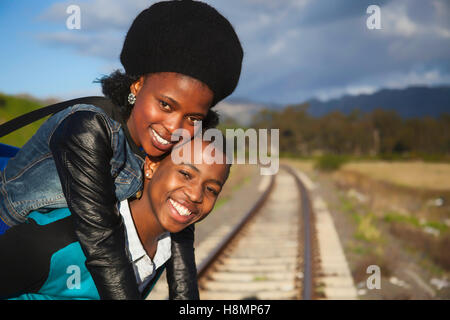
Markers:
(99, 227)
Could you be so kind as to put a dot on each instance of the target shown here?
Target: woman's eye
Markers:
(185, 174)
(213, 191)
(195, 121)
(165, 105)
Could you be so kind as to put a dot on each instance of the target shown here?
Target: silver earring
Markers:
(147, 174)
(131, 98)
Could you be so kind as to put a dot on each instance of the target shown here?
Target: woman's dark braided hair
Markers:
(116, 87)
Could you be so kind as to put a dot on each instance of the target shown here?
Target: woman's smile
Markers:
(180, 212)
(158, 141)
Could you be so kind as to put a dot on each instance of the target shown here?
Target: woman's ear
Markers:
(150, 167)
(137, 86)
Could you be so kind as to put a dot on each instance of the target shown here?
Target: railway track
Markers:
(268, 255)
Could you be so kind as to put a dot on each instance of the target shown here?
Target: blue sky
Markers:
(294, 49)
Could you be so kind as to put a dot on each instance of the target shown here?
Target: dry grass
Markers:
(239, 175)
(419, 175)
(303, 165)
(412, 174)
(435, 247)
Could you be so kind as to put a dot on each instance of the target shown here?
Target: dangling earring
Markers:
(131, 98)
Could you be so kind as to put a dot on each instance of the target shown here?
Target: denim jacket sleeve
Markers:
(82, 151)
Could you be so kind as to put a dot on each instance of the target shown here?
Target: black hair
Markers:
(116, 87)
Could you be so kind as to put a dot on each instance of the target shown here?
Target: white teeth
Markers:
(182, 210)
(159, 138)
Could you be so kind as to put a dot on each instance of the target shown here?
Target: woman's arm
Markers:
(181, 267)
(81, 147)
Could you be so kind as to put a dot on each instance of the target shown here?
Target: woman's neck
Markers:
(132, 139)
(147, 226)
(131, 130)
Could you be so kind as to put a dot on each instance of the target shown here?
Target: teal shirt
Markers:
(68, 278)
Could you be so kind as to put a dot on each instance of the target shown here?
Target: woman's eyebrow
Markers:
(175, 102)
(191, 166)
(196, 169)
(171, 99)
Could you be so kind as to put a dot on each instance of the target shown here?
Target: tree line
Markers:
(377, 133)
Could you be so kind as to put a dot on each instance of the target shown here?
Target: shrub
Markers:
(367, 229)
(330, 162)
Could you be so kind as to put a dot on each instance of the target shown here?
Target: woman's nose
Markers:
(195, 193)
(173, 122)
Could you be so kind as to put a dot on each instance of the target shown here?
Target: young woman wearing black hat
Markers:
(180, 59)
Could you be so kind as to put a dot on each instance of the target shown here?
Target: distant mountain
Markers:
(409, 103)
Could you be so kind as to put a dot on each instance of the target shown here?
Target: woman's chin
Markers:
(152, 151)
(174, 229)
(171, 226)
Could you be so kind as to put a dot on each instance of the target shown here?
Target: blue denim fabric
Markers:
(30, 180)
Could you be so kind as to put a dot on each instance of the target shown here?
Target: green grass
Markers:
(241, 184)
(358, 248)
(366, 222)
(413, 221)
(367, 229)
(348, 206)
(12, 107)
(396, 217)
(330, 162)
(220, 202)
(442, 227)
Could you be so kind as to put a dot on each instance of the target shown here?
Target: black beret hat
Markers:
(187, 37)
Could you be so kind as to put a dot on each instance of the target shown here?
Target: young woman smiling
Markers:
(180, 59)
(42, 259)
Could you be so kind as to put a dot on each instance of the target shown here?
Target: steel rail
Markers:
(306, 213)
(217, 251)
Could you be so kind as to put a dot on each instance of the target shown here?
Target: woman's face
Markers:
(182, 194)
(165, 102)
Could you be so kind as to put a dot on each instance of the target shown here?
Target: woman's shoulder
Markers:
(89, 106)
(100, 105)
(85, 118)
(89, 111)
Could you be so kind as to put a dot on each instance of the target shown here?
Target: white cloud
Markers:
(426, 77)
(395, 80)
(98, 14)
(295, 49)
(106, 45)
(396, 20)
(353, 90)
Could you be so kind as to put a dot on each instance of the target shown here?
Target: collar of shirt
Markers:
(144, 267)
